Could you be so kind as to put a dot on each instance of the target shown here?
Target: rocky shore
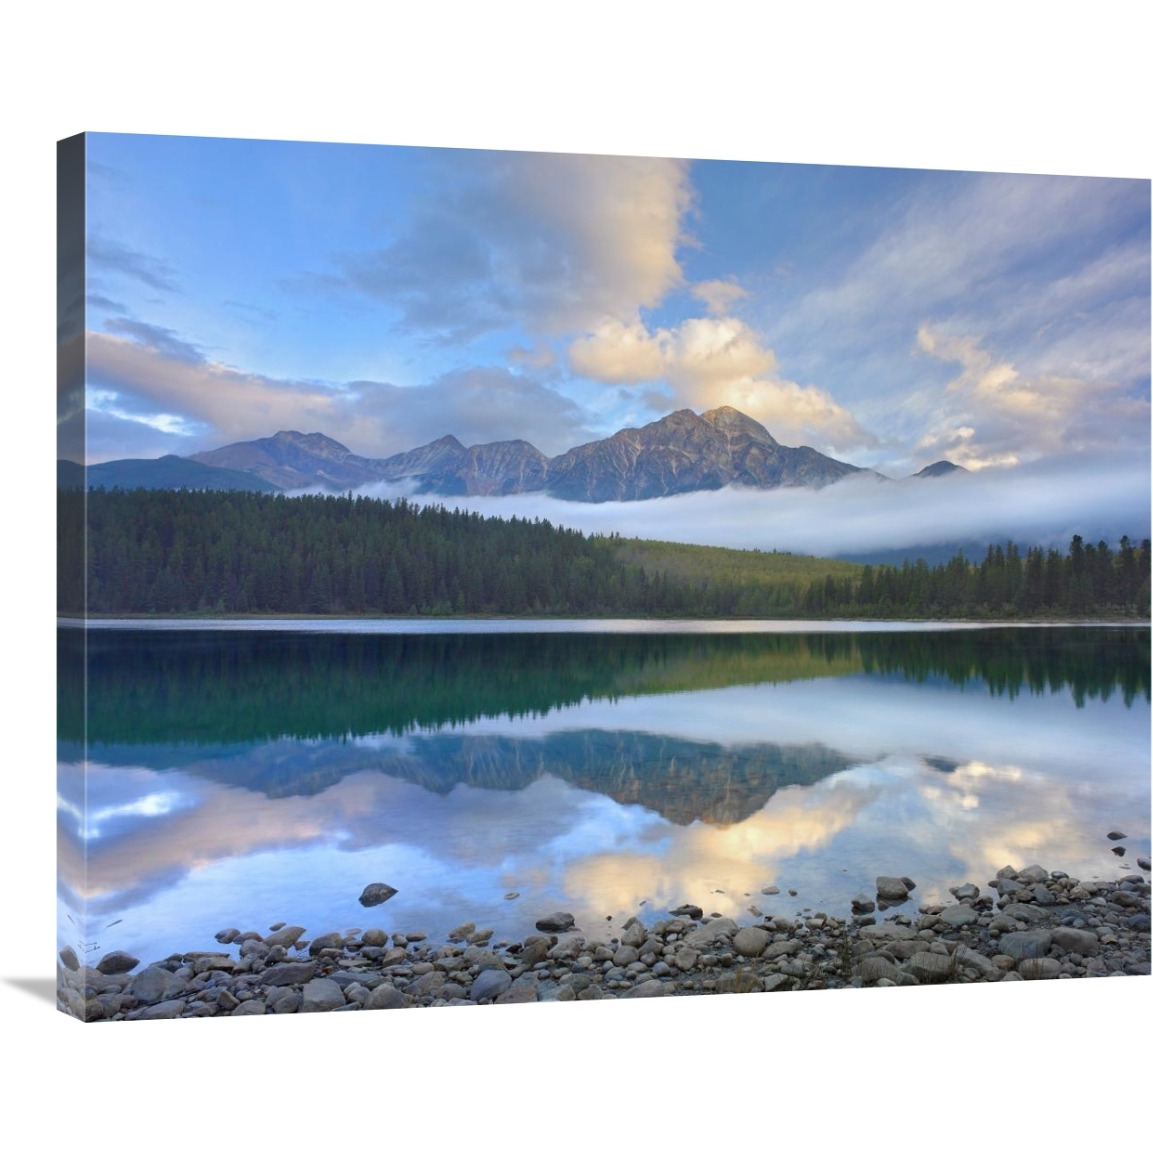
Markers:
(1025, 925)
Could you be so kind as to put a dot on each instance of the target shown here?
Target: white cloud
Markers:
(713, 361)
(992, 414)
(719, 295)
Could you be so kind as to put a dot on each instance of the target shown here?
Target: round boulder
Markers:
(750, 941)
(376, 894)
(117, 962)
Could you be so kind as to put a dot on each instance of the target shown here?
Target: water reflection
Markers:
(598, 774)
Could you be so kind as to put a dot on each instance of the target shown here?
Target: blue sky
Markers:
(387, 296)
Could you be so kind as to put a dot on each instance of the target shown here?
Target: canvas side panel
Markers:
(71, 757)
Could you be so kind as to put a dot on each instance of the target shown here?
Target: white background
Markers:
(1022, 87)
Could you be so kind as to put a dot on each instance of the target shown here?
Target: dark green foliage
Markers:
(181, 552)
(219, 688)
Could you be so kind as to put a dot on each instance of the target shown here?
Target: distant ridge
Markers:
(168, 472)
(680, 453)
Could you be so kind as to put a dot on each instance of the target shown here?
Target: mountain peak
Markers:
(314, 442)
(940, 468)
(732, 422)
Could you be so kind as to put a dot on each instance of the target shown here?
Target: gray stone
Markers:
(875, 968)
(1076, 941)
(1116, 836)
(325, 941)
(649, 989)
(685, 958)
(374, 938)
(957, 916)
(1033, 875)
(288, 1001)
(863, 903)
(750, 942)
(386, 996)
(227, 936)
(974, 960)
(253, 1008)
(534, 950)
(1043, 896)
(708, 933)
(489, 985)
(887, 931)
(321, 995)
(285, 937)
(693, 912)
(1032, 943)
(770, 891)
(777, 983)
(164, 1011)
(634, 935)
(781, 949)
(1144, 863)
(376, 894)
(484, 959)
(462, 932)
(289, 973)
(931, 968)
(625, 956)
(207, 962)
(156, 984)
(521, 991)
(1028, 913)
(69, 958)
(892, 889)
(556, 923)
(117, 962)
(966, 892)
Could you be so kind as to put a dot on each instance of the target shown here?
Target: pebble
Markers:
(1050, 926)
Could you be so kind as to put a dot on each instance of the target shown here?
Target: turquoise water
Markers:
(240, 777)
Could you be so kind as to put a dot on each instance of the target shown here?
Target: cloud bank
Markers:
(1098, 496)
(159, 394)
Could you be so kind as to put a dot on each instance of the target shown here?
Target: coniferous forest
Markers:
(191, 552)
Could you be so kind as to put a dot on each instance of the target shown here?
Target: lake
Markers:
(238, 775)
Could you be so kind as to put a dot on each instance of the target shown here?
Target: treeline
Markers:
(1086, 581)
(166, 552)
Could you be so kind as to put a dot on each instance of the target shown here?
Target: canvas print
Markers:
(489, 577)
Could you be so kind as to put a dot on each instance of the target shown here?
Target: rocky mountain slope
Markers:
(682, 452)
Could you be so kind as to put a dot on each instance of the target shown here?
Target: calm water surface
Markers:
(238, 776)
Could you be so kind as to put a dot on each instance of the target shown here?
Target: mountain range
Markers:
(682, 452)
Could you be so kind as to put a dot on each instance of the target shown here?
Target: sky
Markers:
(388, 296)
